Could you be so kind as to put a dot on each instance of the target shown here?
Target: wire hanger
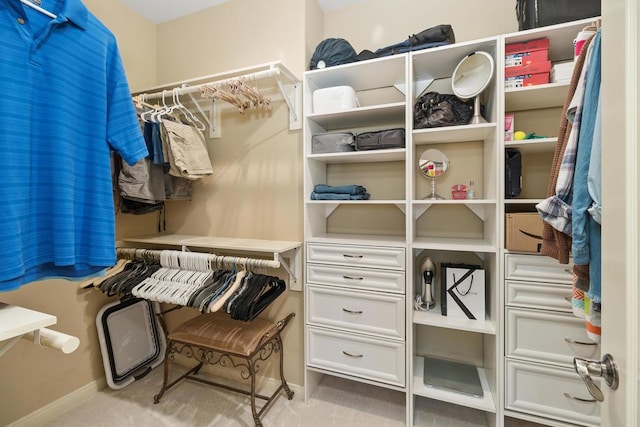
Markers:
(38, 8)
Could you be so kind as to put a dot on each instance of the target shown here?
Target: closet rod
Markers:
(271, 72)
(146, 254)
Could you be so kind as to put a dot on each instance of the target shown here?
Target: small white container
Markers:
(332, 99)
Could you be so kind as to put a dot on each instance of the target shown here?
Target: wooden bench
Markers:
(215, 338)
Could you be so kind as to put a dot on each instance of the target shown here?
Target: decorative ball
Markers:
(519, 135)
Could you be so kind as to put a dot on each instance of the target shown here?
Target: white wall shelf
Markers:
(453, 244)
(278, 249)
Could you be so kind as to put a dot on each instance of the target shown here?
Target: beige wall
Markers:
(373, 24)
(256, 189)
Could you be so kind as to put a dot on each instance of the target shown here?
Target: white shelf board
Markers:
(451, 244)
(228, 243)
(371, 74)
(456, 202)
(484, 403)
(522, 201)
(449, 134)
(359, 239)
(374, 115)
(369, 156)
(535, 97)
(16, 321)
(434, 318)
(538, 145)
(355, 202)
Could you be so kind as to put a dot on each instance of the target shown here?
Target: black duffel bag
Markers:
(435, 109)
(540, 13)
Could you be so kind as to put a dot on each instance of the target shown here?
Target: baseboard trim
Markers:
(60, 406)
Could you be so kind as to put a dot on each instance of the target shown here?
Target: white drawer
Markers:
(361, 278)
(542, 337)
(543, 296)
(540, 390)
(357, 311)
(537, 269)
(356, 256)
(372, 358)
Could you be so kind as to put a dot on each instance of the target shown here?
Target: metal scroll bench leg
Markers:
(214, 339)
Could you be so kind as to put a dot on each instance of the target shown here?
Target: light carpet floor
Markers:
(336, 403)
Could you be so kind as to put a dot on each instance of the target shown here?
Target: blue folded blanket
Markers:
(339, 196)
(341, 189)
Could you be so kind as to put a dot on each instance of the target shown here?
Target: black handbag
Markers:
(435, 109)
(540, 13)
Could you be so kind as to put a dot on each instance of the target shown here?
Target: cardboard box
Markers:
(523, 232)
(528, 46)
(526, 80)
(533, 68)
(525, 58)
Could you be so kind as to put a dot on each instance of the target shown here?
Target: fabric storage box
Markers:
(382, 139)
(333, 99)
(523, 232)
(332, 142)
(462, 291)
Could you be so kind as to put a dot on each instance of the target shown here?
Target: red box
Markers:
(528, 46)
(525, 58)
(534, 68)
(526, 80)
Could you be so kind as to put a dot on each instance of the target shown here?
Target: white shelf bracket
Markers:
(295, 270)
(419, 210)
(402, 207)
(292, 100)
(10, 343)
(481, 255)
(329, 209)
(478, 210)
(421, 85)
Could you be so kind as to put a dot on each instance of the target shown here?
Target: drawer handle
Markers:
(346, 353)
(353, 278)
(572, 341)
(353, 256)
(568, 270)
(352, 311)
(579, 399)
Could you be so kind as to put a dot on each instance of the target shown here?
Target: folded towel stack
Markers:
(342, 192)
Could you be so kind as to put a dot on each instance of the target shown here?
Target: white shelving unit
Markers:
(534, 287)
(367, 237)
(387, 89)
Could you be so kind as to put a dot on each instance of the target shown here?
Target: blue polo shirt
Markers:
(64, 105)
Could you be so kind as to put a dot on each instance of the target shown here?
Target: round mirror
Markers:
(472, 76)
(433, 164)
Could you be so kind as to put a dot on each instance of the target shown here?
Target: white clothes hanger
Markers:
(38, 8)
